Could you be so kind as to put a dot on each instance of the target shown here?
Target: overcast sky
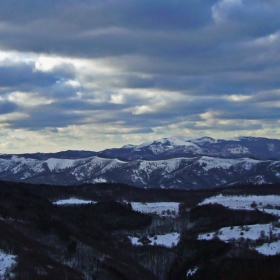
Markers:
(97, 74)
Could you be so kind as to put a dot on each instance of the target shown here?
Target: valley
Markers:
(115, 231)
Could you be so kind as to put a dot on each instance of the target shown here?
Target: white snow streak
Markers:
(73, 200)
(191, 271)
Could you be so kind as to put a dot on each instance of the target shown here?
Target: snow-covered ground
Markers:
(274, 212)
(57, 163)
(244, 202)
(159, 208)
(6, 261)
(167, 240)
(269, 248)
(208, 163)
(252, 232)
(73, 200)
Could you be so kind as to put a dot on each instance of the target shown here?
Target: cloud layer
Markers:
(95, 74)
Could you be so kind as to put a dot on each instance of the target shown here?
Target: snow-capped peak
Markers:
(128, 146)
(203, 140)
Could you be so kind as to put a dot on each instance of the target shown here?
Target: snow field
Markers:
(245, 202)
(72, 200)
(57, 164)
(269, 249)
(158, 208)
(209, 163)
(274, 212)
(168, 165)
(167, 240)
(252, 232)
(6, 261)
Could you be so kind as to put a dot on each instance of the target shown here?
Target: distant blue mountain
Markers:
(176, 162)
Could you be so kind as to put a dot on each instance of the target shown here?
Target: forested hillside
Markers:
(111, 231)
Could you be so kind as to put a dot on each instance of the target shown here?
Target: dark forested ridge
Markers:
(94, 240)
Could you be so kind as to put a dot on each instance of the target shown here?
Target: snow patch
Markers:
(252, 232)
(231, 139)
(269, 249)
(274, 212)
(203, 140)
(58, 164)
(208, 163)
(128, 146)
(259, 179)
(167, 240)
(238, 150)
(167, 166)
(99, 180)
(6, 261)
(158, 208)
(73, 200)
(271, 147)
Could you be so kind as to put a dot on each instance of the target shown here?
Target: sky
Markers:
(91, 75)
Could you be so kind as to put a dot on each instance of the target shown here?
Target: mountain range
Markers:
(176, 162)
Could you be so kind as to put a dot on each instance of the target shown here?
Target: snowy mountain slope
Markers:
(175, 162)
(251, 147)
(176, 147)
(185, 173)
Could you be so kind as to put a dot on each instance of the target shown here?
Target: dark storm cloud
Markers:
(23, 77)
(59, 90)
(225, 127)
(254, 113)
(81, 105)
(132, 131)
(241, 82)
(254, 17)
(266, 97)
(168, 28)
(164, 14)
(164, 28)
(7, 107)
(42, 118)
(64, 112)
